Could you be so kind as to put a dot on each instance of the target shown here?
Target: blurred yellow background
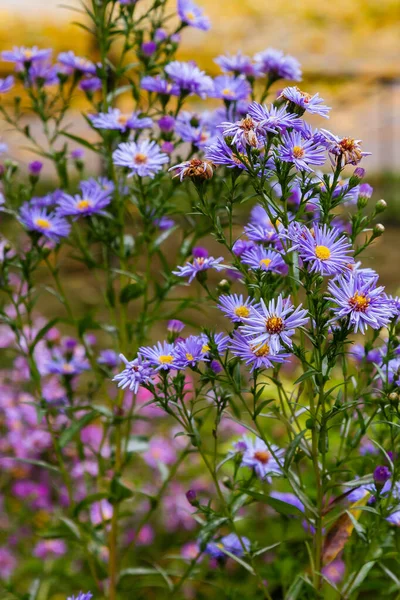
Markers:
(349, 50)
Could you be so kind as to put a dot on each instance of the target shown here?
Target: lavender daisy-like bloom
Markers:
(231, 88)
(347, 149)
(235, 307)
(90, 84)
(189, 78)
(312, 104)
(26, 55)
(161, 356)
(262, 258)
(222, 154)
(300, 152)
(360, 300)
(259, 457)
(189, 352)
(324, 250)
(160, 86)
(137, 372)
(277, 65)
(70, 367)
(42, 74)
(81, 596)
(239, 64)
(258, 232)
(76, 63)
(274, 324)
(6, 84)
(192, 269)
(91, 201)
(231, 543)
(243, 133)
(192, 15)
(255, 355)
(38, 219)
(114, 119)
(273, 119)
(143, 157)
(108, 358)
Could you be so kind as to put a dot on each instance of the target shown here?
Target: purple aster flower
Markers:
(26, 55)
(381, 476)
(90, 84)
(235, 307)
(259, 457)
(81, 596)
(192, 15)
(91, 201)
(167, 147)
(104, 184)
(312, 104)
(274, 324)
(77, 63)
(164, 223)
(108, 358)
(136, 372)
(324, 250)
(35, 167)
(231, 88)
(166, 123)
(143, 157)
(289, 498)
(300, 152)
(70, 367)
(261, 233)
(273, 119)
(347, 150)
(361, 301)
(189, 352)
(278, 66)
(175, 326)
(241, 246)
(49, 549)
(334, 571)
(262, 258)
(239, 64)
(161, 356)
(253, 354)
(42, 74)
(114, 119)
(192, 269)
(231, 543)
(160, 35)
(222, 154)
(189, 78)
(38, 219)
(394, 517)
(365, 191)
(6, 84)
(77, 154)
(148, 48)
(159, 86)
(243, 133)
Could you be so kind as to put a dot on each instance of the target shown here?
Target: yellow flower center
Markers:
(165, 359)
(242, 311)
(265, 262)
(67, 368)
(189, 16)
(274, 324)
(189, 356)
(322, 252)
(205, 348)
(226, 92)
(122, 119)
(140, 159)
(43, 223)
(200, 261)
(359, 302)
(298, 151)
(262, 351)
(28, 53)
(83, 204)
(262, 456)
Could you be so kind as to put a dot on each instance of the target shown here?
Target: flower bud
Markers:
(359, 172)
(380, 206)
(378, 230)
(35, 167)
(200, 252)
(394, 397)
(191, 497)
(381, 475)
(216, 366)
(224, 285)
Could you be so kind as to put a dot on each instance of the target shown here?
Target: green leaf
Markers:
(292, 448)
(306, 375)
(130, 292)
(119, 491)
(75, 428)
(284, 508)
(37, 463)
(42, 332)
(79, 140)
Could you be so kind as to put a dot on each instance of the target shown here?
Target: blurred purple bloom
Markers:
(239, 64)
(192, 15)
(230, 88)
(26, 55)
(258, 456)
(78, 63)
(38, 219)
(159, 86)
(144, 158)
(114, 119)
(189, 78)
(231, 543)
(148, 48)
(108, 358)
(277, 65)
(6, 84)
